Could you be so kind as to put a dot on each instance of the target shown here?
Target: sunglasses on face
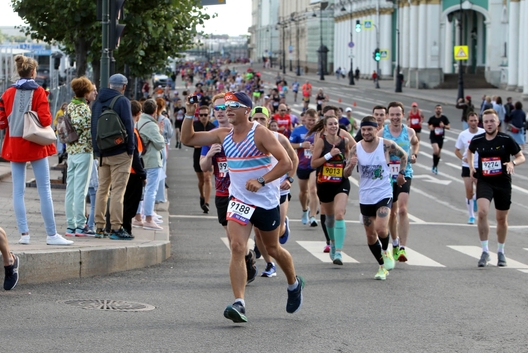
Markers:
(204, 115)
(234, 105)
(219, 107)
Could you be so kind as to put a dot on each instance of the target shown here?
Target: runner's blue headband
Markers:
(369, 123)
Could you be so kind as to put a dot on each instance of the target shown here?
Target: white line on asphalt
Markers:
(459, 167)
(476, 251)
(316, 249)
(414, 258)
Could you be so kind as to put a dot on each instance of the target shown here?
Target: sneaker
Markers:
(70, 232)
(284, 238)
(501, 260)
(402, 255)
(295, 297)
(202, 202)
(305, 216)
(313, 222)
(326, 248)
(100, 233)
(151, 226)
(434, 170)
(205, 208)
(270, 271)
(471, 220)
(154, 214)
(388, 260)
(84, 232)
(120, 234)
(11, 274)
(382, 274)
(251, 266)
(235, 312)
(136, 223)
(24, 239)
(332, 251)
(484, 259)
(157, 220)
(57, 239)
(395, 251)
(338, 258)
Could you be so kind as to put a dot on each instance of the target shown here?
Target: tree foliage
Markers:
(154, 30)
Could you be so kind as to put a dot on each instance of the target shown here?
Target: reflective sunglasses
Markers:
(219, 107)
(234, 105)
(204, 115)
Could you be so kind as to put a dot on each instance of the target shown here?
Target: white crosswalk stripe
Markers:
(414, 258)
(476, 251)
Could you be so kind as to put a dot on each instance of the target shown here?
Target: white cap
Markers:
(348, 109)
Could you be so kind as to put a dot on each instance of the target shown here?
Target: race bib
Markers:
(491, 166)
(394, 168)
(239, 212)
(221, 162)
(307, 153)
(439, 131)
(332, 172)
(415, 121)
(319, 102)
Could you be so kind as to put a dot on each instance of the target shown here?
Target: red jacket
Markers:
(16, 149)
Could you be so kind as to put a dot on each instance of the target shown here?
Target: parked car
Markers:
(159, 79)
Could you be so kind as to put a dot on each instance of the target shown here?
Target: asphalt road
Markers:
(437, 302)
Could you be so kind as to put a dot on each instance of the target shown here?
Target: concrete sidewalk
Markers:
(438, 96)
(88, 256)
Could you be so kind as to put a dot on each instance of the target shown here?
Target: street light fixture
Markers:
(399, 77)
(377, 55)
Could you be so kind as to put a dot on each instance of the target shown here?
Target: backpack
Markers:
(111, 132)
(66, 131)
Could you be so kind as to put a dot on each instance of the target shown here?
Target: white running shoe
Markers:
(24, 239)
(57, 239)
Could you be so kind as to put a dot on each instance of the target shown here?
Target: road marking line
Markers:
(414, 258)
(476, 251)
(316, 249)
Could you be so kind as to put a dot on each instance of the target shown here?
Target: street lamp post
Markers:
(460, 65)
(377, 61)
(322, 49)
(271, 47)
(351, 73)
(289, 53)
(297, 48)
(283, 25)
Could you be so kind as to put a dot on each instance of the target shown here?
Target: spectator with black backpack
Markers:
(113, 144)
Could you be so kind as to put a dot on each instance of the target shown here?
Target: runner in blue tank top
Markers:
(254, 191)
(405, 137)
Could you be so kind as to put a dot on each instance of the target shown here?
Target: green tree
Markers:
(154, 31)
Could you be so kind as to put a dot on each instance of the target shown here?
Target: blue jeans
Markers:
(91, 218)
(42, 177)
(150, 190)
(465, 125)
(160, 193)
(79, 171)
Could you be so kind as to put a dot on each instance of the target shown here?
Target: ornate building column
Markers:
(513, 44)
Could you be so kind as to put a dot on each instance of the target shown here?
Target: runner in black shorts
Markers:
(329, 155)
(493, 180)
(437, 124)
(204, 178)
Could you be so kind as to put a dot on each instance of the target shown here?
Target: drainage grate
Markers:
(108, 305)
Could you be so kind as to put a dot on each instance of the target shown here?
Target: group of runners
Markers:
(254, 169)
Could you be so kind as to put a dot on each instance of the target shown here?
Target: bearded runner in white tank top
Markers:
(375, 191)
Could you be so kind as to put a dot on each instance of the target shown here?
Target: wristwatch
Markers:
(402, 172)
(290, 179)
(261, 181)
(514, 164)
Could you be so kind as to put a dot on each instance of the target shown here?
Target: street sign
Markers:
(384, 54)
(351, 44)
(461, 52)
(368, 24)
(213, 2)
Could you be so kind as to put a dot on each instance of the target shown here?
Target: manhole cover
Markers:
(108, 305)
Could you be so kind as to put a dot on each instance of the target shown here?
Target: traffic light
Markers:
(358, 26)
(116, 29)
(376, 54)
